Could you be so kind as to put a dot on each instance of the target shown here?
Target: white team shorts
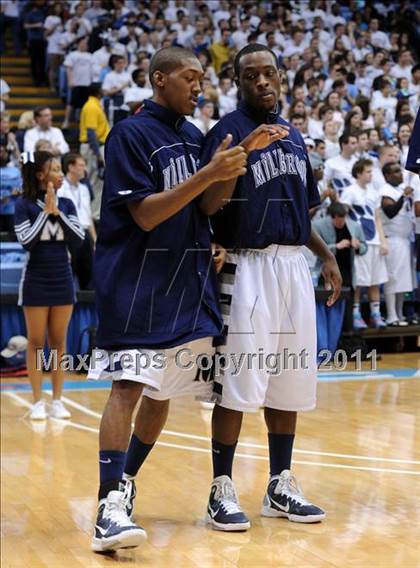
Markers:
(166, 373)
(399, 262)
(370, 267)
(269, 311)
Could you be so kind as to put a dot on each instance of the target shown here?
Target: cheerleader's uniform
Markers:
(47, 278)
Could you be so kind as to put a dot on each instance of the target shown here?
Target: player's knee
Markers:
(125, 393)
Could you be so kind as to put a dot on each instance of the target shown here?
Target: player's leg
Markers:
(242, 386)
(36, 318)
(113, 528)
(58, 322)
(292, 388)
(177, 377)
(150, 420)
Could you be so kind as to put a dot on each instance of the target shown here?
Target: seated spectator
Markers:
(10, 188)
(134, 96)
(204, 121)
(330, 135)
(4, 94)
(74, 168)
(346, 239)
(364, 205)
(26, 121)
(45, 131)
(43, 146)
(8, 139)
(397, 207)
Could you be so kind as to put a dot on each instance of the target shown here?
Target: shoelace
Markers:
(228, 499)
(290, 486)
(116, 509)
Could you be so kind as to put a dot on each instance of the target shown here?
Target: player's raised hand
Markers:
(263, 136)
(228, 163)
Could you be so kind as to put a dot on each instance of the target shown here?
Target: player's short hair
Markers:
(337, 209)
(167, 59)
(359, 166)
(70, 159)
(251, 48)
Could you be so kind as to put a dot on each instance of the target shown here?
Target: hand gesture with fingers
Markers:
(263, 136)
(228, 163)
(50, 201)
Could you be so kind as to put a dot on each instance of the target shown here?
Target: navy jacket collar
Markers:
(169, 117)
(260, 117)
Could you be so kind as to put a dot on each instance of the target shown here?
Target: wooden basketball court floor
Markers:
(357, 456)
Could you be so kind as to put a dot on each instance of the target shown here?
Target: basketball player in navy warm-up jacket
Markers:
(268, 290)
(45, 225)
(155, 280)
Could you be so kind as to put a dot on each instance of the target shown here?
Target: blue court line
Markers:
(324, 377)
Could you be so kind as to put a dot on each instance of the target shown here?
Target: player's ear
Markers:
(159, 79)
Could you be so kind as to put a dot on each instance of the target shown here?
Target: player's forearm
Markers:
(217, 196)
(157, 208)
(318, 246)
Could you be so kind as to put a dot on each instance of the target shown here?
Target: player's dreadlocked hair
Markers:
(251, 48)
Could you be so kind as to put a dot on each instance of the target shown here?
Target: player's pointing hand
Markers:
(228, 163)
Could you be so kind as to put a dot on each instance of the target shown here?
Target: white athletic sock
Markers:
(391, 314)
(400, 303)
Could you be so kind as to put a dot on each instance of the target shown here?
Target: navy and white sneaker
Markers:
(284, 498)
(113, 528)
(223, 510)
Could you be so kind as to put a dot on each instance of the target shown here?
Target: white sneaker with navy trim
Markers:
(113, 529)
(284, 498)
(223, 510)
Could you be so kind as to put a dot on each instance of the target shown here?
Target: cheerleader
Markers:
(45, 225)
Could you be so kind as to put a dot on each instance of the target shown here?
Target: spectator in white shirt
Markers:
(118, 79)
(134, 96)
(360, 49)
(45, 131)
(338, 170)
(227, 101)
(332, 147)
(377, 38)
(74, 168)
(93, 13)
(364, 203)
(383, 99)
(334, 17)
(79, 24)
(404, 65)
(240, 37)
(398, 222)
(296, 44)
(53, 26)
(79, 66)
(204, 121)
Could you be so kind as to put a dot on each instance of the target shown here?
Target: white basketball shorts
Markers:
(268, 304)
(370, 267)
(166, 373)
